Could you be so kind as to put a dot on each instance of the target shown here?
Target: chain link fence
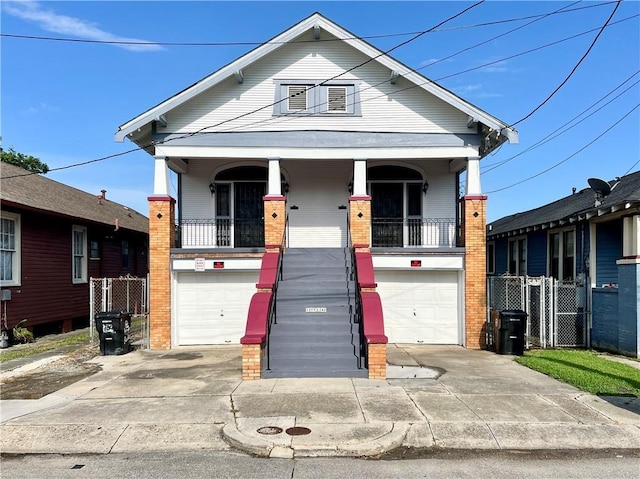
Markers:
(129, 294)
(556, 315)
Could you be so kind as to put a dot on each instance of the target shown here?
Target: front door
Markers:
(386, 214)
(249, 214)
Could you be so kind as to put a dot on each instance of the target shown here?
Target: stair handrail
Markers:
(356, 313)
(273, 304)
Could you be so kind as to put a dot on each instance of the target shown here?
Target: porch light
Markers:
(425, 187)
(286, 188)
(350, 187)
(212, 188)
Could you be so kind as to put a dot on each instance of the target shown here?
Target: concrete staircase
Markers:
(314, 335)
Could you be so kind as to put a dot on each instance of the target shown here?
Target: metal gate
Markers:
(556, 315)
(126, 293)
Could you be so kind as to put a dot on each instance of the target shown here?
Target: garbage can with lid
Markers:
(509, 331)
(113, 330)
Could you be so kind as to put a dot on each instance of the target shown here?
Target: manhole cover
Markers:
(270, 430)
(298, 431)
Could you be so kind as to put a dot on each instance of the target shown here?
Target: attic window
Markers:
(319, 98)
(337, 99)
(297, 97)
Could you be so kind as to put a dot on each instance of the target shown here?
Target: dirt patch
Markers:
(52, 376)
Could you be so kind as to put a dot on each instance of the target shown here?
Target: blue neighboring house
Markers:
(591, 236)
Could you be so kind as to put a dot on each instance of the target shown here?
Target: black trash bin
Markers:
(113, 330)
(509, 332)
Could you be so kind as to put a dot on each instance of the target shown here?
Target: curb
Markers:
(265, 448)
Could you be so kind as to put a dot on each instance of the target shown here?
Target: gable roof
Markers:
(497, 131)
(36, 192)
(625, 195)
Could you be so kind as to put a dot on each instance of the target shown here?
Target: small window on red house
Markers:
(94, 251)
(125, 254)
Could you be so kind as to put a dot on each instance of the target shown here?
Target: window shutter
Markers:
(337, 99)
(297, 98)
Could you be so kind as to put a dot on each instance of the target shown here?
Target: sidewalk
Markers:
(191, 399)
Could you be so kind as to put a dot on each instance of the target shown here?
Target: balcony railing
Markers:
(402, 232)
(220, 233)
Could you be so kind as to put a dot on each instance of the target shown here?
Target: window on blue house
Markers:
(518, 256)
(562, 252)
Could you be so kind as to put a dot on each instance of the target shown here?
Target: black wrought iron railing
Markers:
(220, 233)
(356, 314)
(273, 306)
(401, 232)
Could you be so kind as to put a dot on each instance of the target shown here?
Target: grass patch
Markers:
(31, 349)
(586, 370)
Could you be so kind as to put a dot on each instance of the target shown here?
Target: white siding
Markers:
(385, 107)
(212, 308)
(420, 306)
(318, 189)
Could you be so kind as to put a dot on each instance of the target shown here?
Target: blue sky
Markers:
(63, 101)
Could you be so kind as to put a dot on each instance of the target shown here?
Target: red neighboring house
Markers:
(53, 239)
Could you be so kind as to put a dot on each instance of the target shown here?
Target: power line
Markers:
(573, 69)
(221, 44)
(152, 143)
(324, 82)
(553, 135)
(289, 117)
(570, 156)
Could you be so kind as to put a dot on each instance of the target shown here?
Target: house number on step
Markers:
(315, 310)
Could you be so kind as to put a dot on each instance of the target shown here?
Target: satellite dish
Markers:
(601, 187)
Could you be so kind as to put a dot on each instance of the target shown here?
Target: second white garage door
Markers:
(211, 308)
(420, 306)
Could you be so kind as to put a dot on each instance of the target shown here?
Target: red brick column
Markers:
(475, 239)
(275, 217)
(360, 220)
(252, 355)
(161, 240)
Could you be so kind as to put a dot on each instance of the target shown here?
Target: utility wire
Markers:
(573, 70)
(552, 136)
(369, 60)
(572, 155)
(217, 44)
(289, 117)
(188, 135)
(270, 119)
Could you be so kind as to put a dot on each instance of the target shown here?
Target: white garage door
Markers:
(211, 308)
(420, 306)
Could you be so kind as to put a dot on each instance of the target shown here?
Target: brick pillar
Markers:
(252, 355)
(275, 217)
(360, 220)
(377, 359)
(475, 300)
(161, 240)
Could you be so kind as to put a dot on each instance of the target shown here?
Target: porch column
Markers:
(161, 176)
(274, 188)
(473, 176)
(360, 207)
(475, 290)
(161, 240)
(275, 208)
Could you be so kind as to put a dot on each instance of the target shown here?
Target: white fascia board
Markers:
(230, 264)
(403, 262)
(315, 153)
